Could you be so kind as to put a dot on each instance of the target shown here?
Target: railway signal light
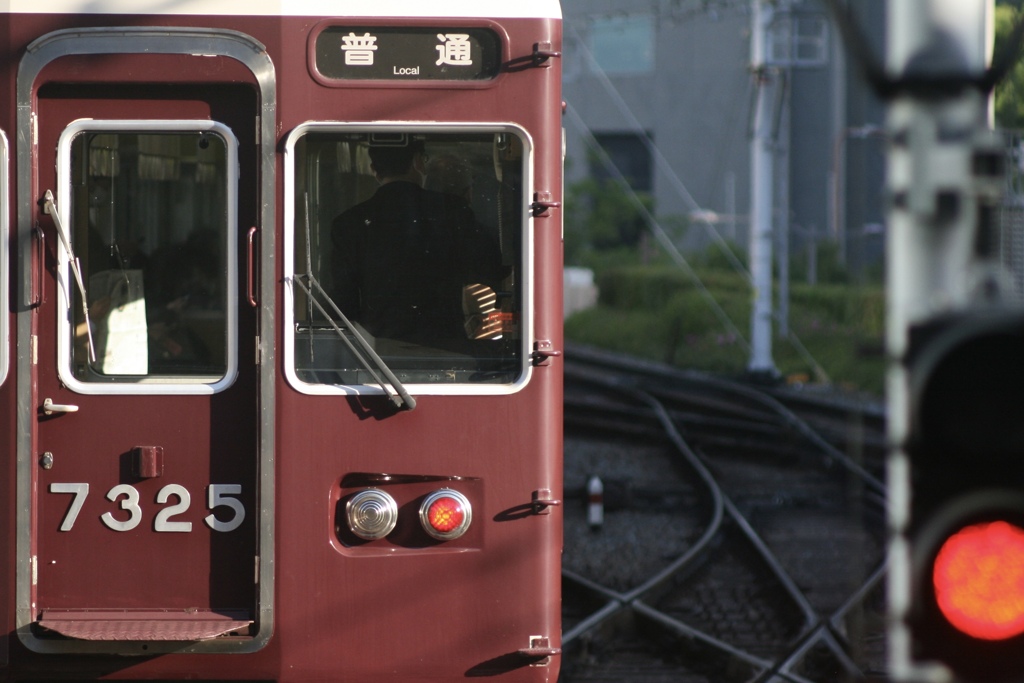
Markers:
(955, 338)
(964, 520)
(978, 578)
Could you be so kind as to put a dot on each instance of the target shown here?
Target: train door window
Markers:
(407, 252)
(148, 273)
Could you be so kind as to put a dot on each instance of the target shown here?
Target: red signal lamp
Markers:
(978, 577)
(446, 514)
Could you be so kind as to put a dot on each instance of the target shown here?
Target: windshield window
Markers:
(414, 241)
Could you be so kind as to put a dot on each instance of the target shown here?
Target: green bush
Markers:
(654, 286)
(658, 312)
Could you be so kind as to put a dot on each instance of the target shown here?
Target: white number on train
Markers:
(127, 497)
(220, 495)
(130, 503)
(80, 491)
(162, 522)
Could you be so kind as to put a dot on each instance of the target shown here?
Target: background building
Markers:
(662, 92)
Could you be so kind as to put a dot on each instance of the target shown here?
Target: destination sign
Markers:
(408, 53)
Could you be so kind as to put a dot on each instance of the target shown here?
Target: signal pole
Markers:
(933, 128)
(955, 343)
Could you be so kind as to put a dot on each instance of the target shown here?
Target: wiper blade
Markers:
(50, 208)
(371, 362)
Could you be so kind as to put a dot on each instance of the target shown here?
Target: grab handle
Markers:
(49, 407)
(250, 257)
(38, 293)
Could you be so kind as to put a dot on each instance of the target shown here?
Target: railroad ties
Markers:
(742, 533)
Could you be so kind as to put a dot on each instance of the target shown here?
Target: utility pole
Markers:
(762, 166)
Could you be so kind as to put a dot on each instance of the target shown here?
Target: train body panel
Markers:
(197, 414)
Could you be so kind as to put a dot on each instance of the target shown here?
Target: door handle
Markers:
(250, 254)
(49, 407)
(39, 264)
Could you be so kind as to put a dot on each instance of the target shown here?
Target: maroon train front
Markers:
(281, 363)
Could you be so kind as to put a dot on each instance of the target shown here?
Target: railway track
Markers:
(742, 535)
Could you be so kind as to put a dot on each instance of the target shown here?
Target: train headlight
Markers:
(372, 514)
(446, 514)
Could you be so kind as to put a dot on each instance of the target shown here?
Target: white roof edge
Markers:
(516, 9)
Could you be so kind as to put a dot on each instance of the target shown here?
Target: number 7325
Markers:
(127, 497)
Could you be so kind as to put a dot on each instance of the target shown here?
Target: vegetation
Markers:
(653, 308)
(609, 222)
(1009, 107)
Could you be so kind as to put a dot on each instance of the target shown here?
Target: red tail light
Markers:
(446, 514)
(979, 580)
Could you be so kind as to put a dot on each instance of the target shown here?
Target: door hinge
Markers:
(542, 203)
(540, 650)
(542, 500)
(543, 352)
(541, 55)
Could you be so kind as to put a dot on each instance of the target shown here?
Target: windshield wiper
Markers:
(49, 207)
(371, 362)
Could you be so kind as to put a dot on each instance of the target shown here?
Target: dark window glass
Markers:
(630, 154)
(149, 222)
(414, 243)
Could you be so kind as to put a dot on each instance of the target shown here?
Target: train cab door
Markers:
(145, 409)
